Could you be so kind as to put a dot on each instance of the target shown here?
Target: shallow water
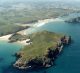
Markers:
(7, 52)
(67, 62)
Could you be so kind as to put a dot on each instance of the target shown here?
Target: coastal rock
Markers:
(18, 54)
(66, 40)
(19, 64)
(73, 20)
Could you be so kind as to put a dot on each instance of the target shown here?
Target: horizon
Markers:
(39, 0)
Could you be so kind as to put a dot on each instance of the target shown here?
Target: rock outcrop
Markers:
(73, 20)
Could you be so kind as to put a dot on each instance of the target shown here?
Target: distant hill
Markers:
(28, 12)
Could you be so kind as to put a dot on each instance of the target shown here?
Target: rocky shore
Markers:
(73, 20)
(47, 60)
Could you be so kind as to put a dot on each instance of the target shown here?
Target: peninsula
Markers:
(43, 49)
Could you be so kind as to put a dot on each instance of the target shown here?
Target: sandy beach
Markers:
(6, 37)
(23, 32)
(45, 21)
(38, 24)
(24, 42)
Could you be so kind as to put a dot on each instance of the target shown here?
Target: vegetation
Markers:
(9, 29)
(41, 41)
(43, 50)
(17, 37)
(26, 12)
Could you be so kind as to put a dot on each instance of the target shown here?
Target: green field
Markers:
(41, 41)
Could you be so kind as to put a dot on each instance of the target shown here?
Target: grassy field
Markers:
(41, 41)
(10, 28)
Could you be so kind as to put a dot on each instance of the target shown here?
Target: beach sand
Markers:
(38, 24)
(23, 32)
(5, 37)
(24, 42)
(45, 21)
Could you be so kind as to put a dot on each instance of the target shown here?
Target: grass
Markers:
(17, 37)
(9, 29)
(41, 41)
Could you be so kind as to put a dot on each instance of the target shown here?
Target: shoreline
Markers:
(45, 21)
(34, 25)
(38, 24)
(5, 37)
(46, 60)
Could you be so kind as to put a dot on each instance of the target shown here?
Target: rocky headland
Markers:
(73, 20)
(38, 54)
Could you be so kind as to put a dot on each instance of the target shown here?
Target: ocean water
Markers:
(67, 62)
(7, 51)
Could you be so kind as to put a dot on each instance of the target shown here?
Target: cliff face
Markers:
(44, 52)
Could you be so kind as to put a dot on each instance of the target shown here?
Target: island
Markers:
(40, 48)
(44, 47)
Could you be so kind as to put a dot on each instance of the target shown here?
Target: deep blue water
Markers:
(67, 62)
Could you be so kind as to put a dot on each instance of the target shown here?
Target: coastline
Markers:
(34, 25)
(22, 42)
(59, 48)
(38, 24)
(44, 62)
(45, 21)
(5, 37)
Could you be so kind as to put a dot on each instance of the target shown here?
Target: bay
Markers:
(67, 62)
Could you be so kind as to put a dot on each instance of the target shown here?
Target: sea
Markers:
(67, 62)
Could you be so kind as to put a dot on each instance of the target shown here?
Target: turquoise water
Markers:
(67, 62)
(7, 52)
